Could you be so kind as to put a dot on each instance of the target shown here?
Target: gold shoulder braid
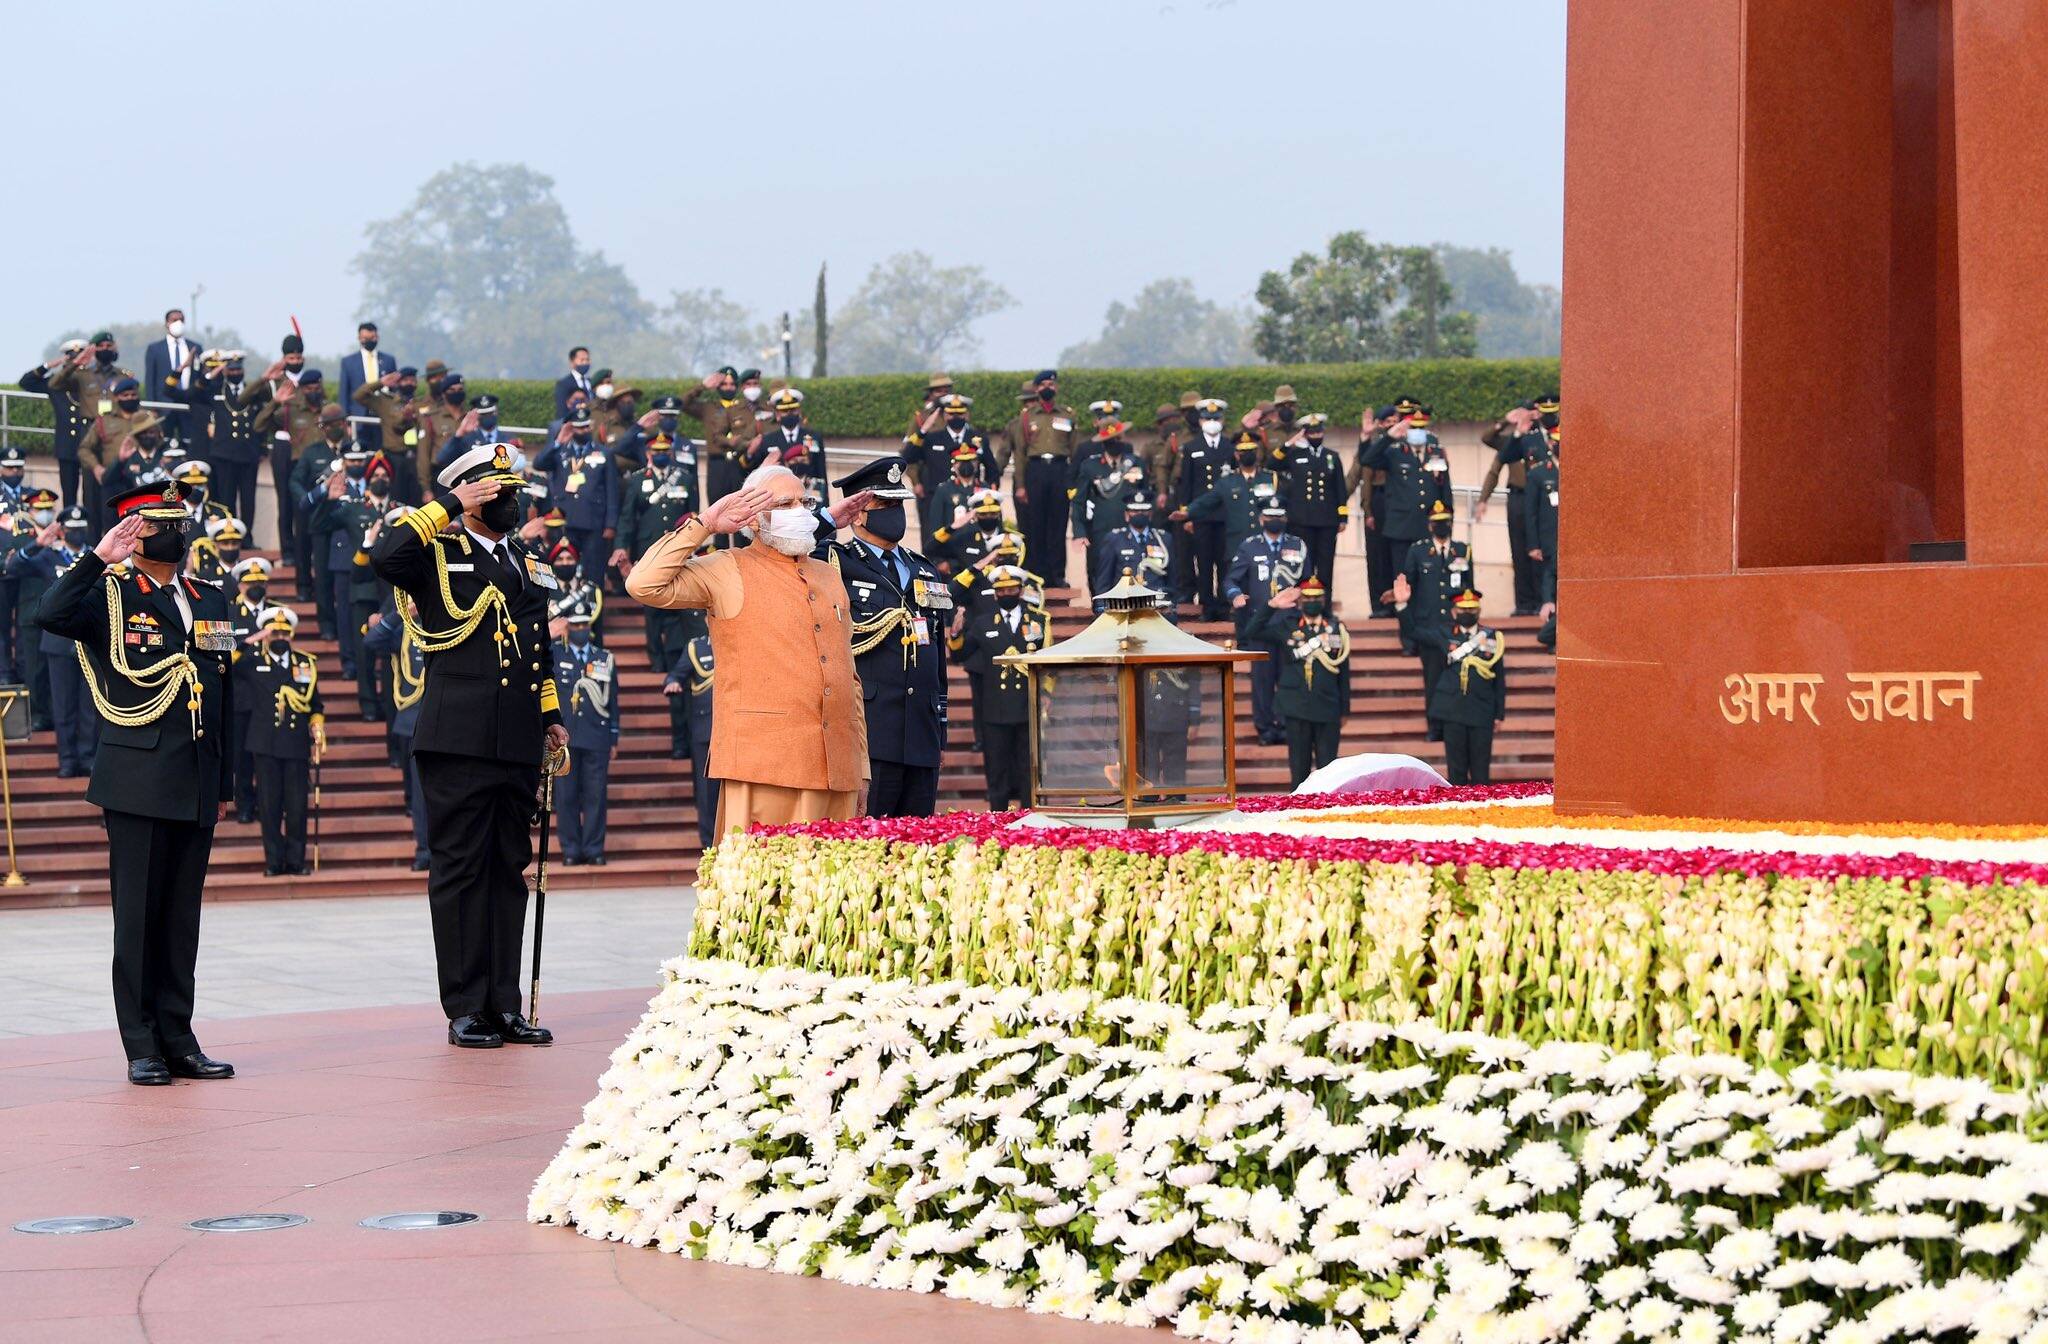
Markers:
(870, 632)
(1330, 659)
(467, 619)
(293, 698)
(161, 680)
(406, 689)
(1481, 663)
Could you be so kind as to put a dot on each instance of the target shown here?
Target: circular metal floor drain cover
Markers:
(64, 1227)
(247, 1222)
(414, 1222)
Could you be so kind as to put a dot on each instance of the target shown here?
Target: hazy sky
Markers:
(1077, 149)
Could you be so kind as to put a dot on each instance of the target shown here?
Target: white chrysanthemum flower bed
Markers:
(1250, 1175)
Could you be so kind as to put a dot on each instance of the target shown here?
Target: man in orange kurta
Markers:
(788, 735)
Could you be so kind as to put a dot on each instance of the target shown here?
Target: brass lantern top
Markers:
(1130, 630)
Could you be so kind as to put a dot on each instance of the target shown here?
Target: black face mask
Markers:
(566, 573)
(1273, 526)
(790, 422)
(500, 512)
(380, 487)
(668, 425)
(353, 473)
(1286, 415)
(408, 391)
(886, 523)
(966, 474)
(280, 648)
(371, 344)
(1440, 530)
(151, 441)
(1550, 420)
(165, 547)
(580, 436)
(487, 421)
(989, 525)
(1138, 522)
(623, 408)
(455, 396)
(1312, 607)
(128, 405)
(106, 357)
(1466, 619)
(1248, 459)
(582, 370)
(316, 399)
(1010, 601)
(255, 593)
(75, 537)
(1047, 393)
(230, 554)
(956, 423)
(1315, 440)
(334, 436)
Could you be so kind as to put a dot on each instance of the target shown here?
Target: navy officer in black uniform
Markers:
(900, 610)
(157, 647)
(488, 715)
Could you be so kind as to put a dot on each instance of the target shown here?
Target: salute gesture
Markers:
(121, 541)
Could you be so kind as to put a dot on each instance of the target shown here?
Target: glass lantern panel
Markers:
(1077, 730)
(1180, 733)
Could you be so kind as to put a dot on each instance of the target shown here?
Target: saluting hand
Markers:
(121, 540)
(1403, 589)
(846, 510)
(468, 425)
(50, 535)
(734, 511)
(472, 493)
(337, 484)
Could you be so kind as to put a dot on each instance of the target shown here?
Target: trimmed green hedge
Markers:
(879, 405)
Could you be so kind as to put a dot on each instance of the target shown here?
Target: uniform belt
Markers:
(1050, 457)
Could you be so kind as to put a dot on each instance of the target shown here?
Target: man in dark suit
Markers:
(488, 717)
(793, 443)
(367, 366)
(169, 368)
(287, 733)
(577, 379)
(1471, 692)
(900, 609)
(157, 647)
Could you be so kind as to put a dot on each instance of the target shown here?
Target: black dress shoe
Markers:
(67, 772)
(149, 1072)
(475, 1032)
(597, 859)
(272, 870)
(421, 865)
(196, 1065)
(678, 754)
(245, 818)
(518, 1031)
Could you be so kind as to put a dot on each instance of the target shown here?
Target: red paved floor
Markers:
(339, 1116)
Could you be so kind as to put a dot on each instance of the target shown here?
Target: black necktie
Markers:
(504, 554)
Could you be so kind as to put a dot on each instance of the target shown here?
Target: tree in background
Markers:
(1167, 325)
(819, 327)
(483, 270)
(1362, 302)
(706, 329)
(911, 314)
(1516, 320)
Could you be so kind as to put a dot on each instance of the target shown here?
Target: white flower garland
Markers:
(1255, 1176)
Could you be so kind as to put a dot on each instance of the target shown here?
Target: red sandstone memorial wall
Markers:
(1806, 280)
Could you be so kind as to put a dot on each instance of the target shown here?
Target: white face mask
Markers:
(792, 531)
(42, 517)
(177, 328)
(1418, 437)
(1212, 428)
(751, 393)
(604, 390)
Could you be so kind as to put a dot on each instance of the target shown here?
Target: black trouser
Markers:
(234, 485)
(1163, 758)
(898, 790)
(1379, 569)
(1310, 747)
(35, 674)
(10, 599)
(72, 713)
(281, 788)
(1265, 680)
(371, 671)
(95, 501)
(974, 709)
(67, 478)
(156, 869)
(1322, 551)
(245, 767)
(1181, 559)
(415, 802)
(1043, 518)
(703, 787)
(287, 507)
(1210, 564)
(592, 551)
(1528, 588)
(1468, 753)
(1006, 764)
(580, 798)
(1433, 658)
(337, 612)
(1396, 551)
(479, 818)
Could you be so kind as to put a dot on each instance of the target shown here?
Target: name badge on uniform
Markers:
(540, 574)
(461, 567)
(1062, 424)
(923, 629)
(1553, 499)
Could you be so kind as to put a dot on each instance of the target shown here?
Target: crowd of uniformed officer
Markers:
(1233, 515)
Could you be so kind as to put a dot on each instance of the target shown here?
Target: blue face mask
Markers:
(578, 637)
(659, 459)
(1418, 437)
(668, 424)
